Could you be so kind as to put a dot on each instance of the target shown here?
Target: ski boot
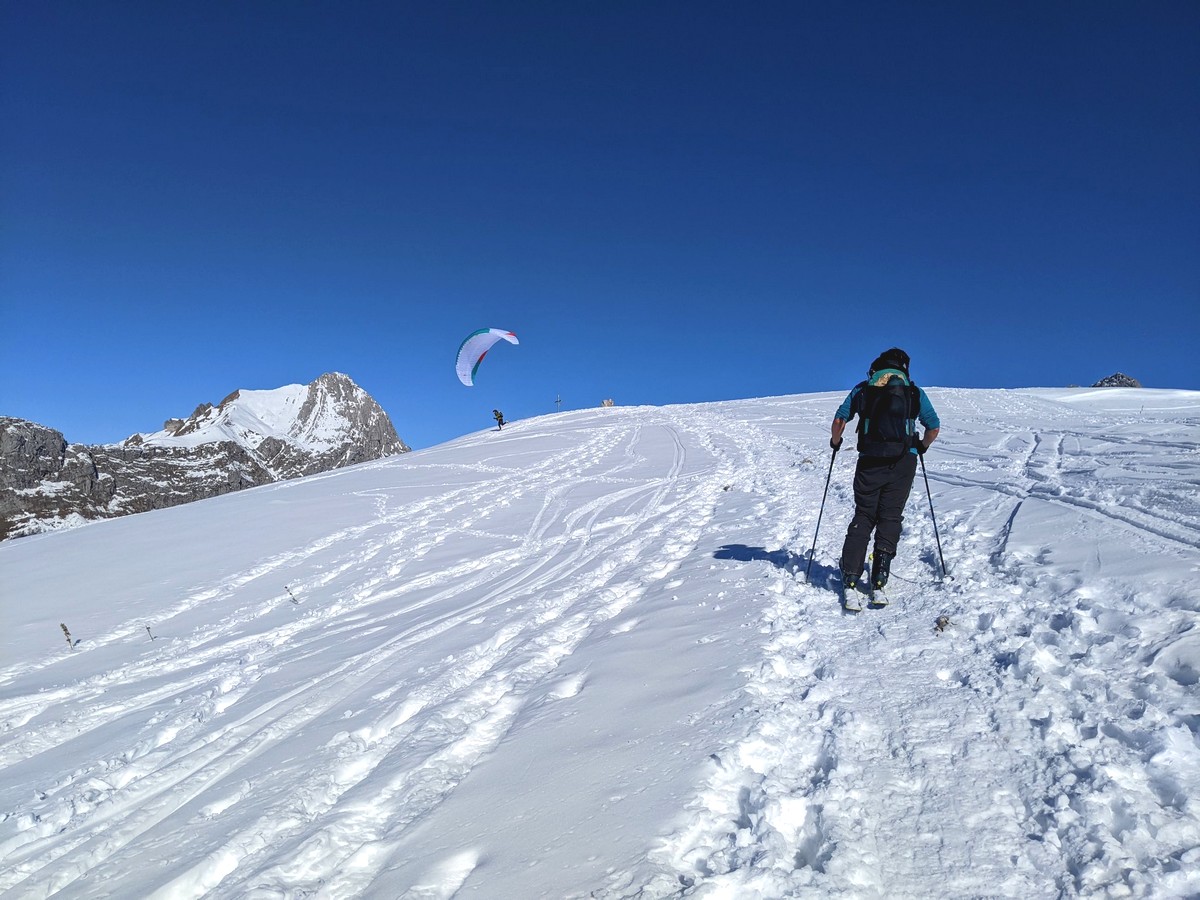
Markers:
(850, 599)
(881, 567)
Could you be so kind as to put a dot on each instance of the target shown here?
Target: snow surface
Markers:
(578, 658)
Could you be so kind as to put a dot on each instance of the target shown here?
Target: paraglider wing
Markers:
(475, 347)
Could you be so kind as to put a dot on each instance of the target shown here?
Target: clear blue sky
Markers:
(667, 202)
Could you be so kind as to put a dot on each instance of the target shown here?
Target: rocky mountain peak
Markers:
(249, 438)
(331, 416)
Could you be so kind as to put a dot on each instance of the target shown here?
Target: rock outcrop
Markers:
(1118, 379)
(250, 438)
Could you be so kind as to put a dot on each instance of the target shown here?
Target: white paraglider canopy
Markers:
(475, 347)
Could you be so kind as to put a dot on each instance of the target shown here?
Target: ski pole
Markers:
(813, 551)
(929, 494)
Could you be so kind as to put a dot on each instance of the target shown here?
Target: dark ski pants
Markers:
(881, 488)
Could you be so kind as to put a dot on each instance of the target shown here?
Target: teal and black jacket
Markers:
(920, 410)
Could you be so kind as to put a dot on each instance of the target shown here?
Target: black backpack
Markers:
(885, 418)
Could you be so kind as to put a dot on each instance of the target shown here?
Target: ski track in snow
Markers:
(563, 577)
(872, 733)
(1053, 725)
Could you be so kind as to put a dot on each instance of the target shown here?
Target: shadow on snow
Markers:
(788, 561)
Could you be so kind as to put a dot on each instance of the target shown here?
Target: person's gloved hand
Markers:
(835, 444)
(921, 448)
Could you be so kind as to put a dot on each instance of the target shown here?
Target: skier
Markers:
(887, 405)
(499, 417)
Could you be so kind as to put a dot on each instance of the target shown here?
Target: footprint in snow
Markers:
(567, 688)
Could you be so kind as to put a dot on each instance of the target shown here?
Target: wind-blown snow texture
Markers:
(574, 659)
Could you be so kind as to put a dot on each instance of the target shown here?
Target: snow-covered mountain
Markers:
(579, 658)
(250, 438)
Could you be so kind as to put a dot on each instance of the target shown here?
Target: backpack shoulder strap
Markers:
(856, 404)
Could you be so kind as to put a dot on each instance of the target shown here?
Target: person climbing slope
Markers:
(887, 405)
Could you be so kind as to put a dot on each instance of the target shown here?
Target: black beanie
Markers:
(894, 358)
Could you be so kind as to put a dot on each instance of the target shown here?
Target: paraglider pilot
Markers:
(499, 417)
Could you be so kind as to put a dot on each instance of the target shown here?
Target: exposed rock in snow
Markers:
(1118, 379)
(250, 438)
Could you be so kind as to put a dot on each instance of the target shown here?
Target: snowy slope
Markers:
(574, 659)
